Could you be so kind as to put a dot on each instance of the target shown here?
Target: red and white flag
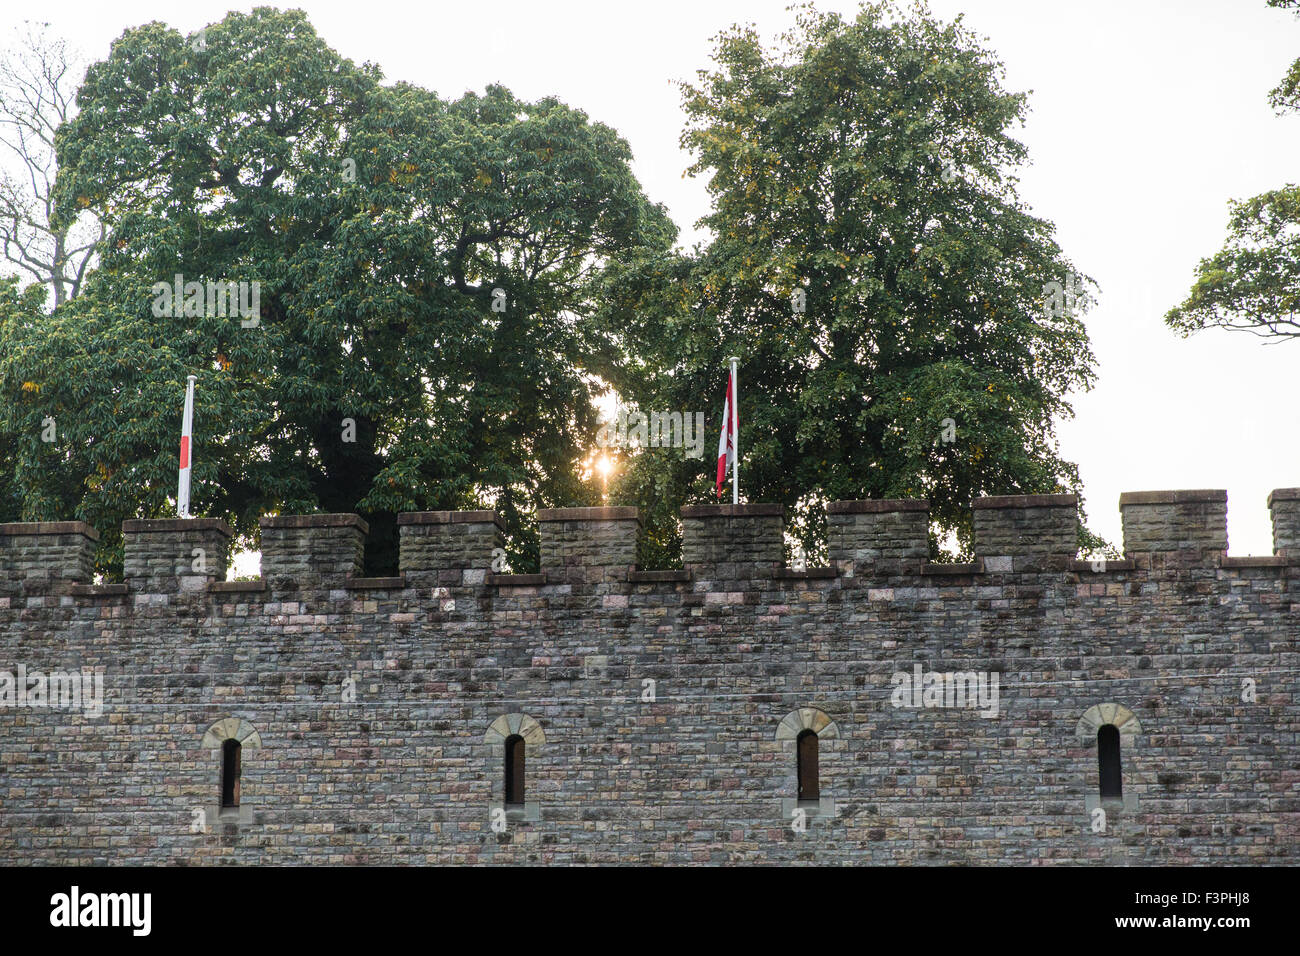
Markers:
(727, 438)
(187, 434)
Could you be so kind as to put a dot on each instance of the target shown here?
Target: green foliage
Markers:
(868, 164)
(378, 220)
(20, 312)
(1252, 284)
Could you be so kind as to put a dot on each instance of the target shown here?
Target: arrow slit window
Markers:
(806, 757)
(230, 773)
(1108, 761)
(515, 771)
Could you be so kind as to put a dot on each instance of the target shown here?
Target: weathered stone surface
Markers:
(162, 555)
(434, 546)
(1026, 528)
(306, 551)
(46, 557)
(660, 712)
(732, 542)
(1284, 507)
(864, 532)
(587, 545)
(1175, 521)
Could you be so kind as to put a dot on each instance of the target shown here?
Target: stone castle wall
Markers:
(660, 710)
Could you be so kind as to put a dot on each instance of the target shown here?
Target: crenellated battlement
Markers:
(863, 533)
(1284, 507)
(588, 546)
(304, 551)
(175, 554)
(1026, 532)
(1183, 527)
(733, 542)
(47, 557)
(663, 713)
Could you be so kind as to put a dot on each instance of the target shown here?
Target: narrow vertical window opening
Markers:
(514, 771)
(1108, 762)
(809, 784)
(230, 773)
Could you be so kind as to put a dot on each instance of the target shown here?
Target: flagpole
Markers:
(187, 432)
(735, 431)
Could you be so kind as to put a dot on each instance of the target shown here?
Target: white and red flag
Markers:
(187, 434)
(728, 439)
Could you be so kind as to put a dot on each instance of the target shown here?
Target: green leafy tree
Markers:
(1253, 283)
(873, 268)
(425, 272)
(19, 310)
(38, 78)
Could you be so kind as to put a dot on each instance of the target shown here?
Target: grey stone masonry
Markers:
(301, 551)
(733, 542)
(1037, 530)
(1284, 506)
(1188, 527)
(588, 544)
(46, 558)
(661, 711)
(448, 547)
(866, 532)
(175, 554)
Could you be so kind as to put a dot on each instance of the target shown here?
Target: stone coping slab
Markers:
(315, 521)
(450, 517)
(589, 514)
(147, 525)
(1197, 496)
(1027, 501)
(734, 511)
(48, 527)
(875, 506)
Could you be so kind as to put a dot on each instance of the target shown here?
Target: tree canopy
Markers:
(444, 285)
(425, 272)
(1252, 284)
(872, 266)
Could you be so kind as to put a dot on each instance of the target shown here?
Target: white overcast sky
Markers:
(1146, 117)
